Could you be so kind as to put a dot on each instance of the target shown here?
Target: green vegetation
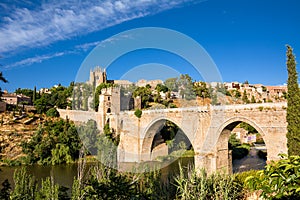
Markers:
(101, 144)
(186, 87)
(52, 112)
(262, 154)
(236, 93)
(99, 182)
(245, 97)
(199, 185)
(172, 84)
(54, 142)
(80, 96)
(293, 98)
(253, 100)
(58, 96)
(161, 88)
(238, 150)
(279, 180)
(27, 92)
(138, 113)
(2, 79)
(98, 92)
(5, 191)
(201, 90)
(247, 127)
(145, 94)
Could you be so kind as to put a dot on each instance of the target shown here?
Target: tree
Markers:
(2, 78)
(236, 93)
(201, 90)
(54, 142)
(161, 88)
(172, 84)
(253, 99)
(186, 87)
(293, 105)
(144, 93)
(98, 92)
(245, 97)
(34, 94)
(52, 112)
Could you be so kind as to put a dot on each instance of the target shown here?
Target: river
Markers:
(64, 174)
(251, 161)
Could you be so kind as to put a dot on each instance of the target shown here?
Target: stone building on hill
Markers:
(15, 99)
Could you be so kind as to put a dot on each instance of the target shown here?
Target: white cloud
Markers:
(33, 60)
(55, 21)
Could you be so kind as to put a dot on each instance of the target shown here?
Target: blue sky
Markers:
(43, 43)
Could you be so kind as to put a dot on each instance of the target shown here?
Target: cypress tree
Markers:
(293, 108)
(34, 95)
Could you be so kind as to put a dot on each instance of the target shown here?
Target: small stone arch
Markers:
(223, 156)
(149, 134)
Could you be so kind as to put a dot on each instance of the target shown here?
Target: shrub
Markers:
(52, 112)
(138, 113)
(242, 176)
(262, 154)
(240, 151)
(279, 180)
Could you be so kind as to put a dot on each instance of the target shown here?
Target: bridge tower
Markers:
(109, 103)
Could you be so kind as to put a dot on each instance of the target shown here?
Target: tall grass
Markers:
(198, 185)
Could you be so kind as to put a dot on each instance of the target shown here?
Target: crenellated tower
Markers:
(97, 76)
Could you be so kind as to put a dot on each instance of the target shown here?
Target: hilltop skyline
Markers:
(245, 39)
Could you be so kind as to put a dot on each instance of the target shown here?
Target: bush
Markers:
(279, 180)
(240, 151)
(262, 154)
(138, 113)
(242, 176)
(52, 112)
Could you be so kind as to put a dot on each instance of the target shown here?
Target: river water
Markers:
(64, 174)
(251, 161)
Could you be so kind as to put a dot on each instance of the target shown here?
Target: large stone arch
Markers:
(223, 156)
(151, 130)
(233, 121)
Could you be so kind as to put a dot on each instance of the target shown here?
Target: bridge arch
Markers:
(231, 123)
(151, 131)
(223, 158)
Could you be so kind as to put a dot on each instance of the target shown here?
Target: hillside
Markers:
(15, 128)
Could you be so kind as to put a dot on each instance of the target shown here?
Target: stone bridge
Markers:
(206, 128)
